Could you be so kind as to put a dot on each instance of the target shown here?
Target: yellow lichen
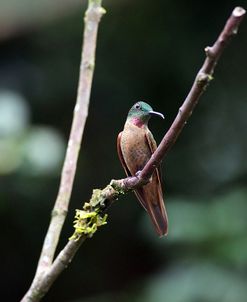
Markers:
(87, 223)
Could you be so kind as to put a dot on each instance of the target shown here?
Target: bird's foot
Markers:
(138, 176)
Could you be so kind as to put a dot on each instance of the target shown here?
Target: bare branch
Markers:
(204, 76)
(92, 18)
(43, 284)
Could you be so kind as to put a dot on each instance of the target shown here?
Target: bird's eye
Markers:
(138, 106)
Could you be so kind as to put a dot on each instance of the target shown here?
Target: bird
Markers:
(135, 146)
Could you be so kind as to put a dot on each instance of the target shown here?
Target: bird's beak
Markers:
(156, 113)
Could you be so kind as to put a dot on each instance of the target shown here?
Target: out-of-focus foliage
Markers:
(26, 148)
(20, 16)
(148, 51)
(196, 281)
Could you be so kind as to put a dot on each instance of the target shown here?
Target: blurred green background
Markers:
(146, 51)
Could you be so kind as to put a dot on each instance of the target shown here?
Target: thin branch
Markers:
(203, 78)
(102, 199)
(43, 284)
(92, 18)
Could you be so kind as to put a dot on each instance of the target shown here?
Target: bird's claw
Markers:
(138, 174)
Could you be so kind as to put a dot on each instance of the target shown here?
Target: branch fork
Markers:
(93, 214)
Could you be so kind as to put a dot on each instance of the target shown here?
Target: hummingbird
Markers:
(135, 146)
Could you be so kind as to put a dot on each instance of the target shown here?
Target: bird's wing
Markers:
(153, 146)
(120, 155)
(151, 195)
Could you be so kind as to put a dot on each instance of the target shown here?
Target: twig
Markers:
(102, 199)
(92, 18)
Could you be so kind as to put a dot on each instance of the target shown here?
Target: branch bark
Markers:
(102, 199)
(203, 78)
(92, 18)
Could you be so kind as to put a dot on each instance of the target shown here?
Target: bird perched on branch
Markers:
(135, 145)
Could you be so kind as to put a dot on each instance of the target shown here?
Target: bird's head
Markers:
(140, 114)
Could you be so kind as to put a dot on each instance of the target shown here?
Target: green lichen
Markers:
(86, 223)
(210, 77)
(117, 187)
(204, 78)
(91, 217)
(97, 198)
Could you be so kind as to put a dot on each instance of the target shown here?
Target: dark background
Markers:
(146, 51)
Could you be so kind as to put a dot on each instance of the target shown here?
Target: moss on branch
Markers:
(92, 216)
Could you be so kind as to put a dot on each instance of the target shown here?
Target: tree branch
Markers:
(92, 18)
(92, 216)
(43, 284)
(203, 78)
(102, 199)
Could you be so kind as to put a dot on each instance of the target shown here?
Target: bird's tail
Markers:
(151, 198)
